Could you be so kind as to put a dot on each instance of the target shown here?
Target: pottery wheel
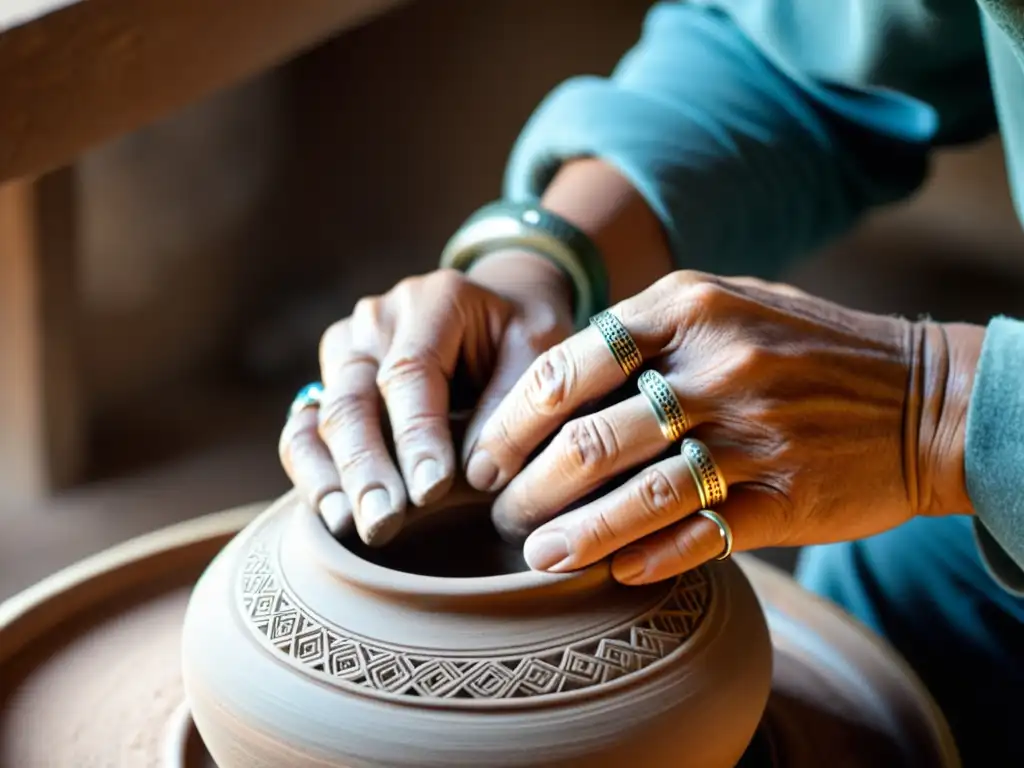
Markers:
(89, 658)
(89, 669)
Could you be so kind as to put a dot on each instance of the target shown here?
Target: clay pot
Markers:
(91, 671)
(443, 649)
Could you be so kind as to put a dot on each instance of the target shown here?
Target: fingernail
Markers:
(426, 481)
(336, 512)
(377, 521)
(481, 471)
(628, 565)
(546, 550)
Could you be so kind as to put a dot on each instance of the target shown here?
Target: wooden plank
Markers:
(92, 70)
(42, 443)
(14, 13)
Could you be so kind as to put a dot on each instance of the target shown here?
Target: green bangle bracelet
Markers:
(503, 225)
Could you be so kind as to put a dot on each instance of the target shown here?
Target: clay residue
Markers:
(96, 694)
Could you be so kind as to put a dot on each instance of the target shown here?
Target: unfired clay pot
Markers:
(443, 649)
(90, 670)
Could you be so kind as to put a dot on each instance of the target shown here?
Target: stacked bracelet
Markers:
(527, 227)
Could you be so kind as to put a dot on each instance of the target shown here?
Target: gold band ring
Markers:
(308, 397)
(671, 416)
(711, 486)
(723, 529)
(623, 348)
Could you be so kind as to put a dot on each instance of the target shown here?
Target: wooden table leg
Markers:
(41, 414)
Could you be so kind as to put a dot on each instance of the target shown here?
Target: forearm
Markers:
(602, 203)
(742, 167)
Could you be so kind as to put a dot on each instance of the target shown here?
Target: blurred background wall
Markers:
(217, 244)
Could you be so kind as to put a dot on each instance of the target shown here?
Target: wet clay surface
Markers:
(102, 686)
(99, 693)
(90, 660)
(396, 658)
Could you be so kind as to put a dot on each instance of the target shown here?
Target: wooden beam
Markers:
(14, 13)
(42, 439)
(84, 73)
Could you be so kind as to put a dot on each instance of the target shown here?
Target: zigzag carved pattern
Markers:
(301, 636)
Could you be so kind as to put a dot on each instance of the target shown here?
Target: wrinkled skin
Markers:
(389, 373)
(827, 423)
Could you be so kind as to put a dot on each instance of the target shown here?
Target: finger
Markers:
(564, 378)
(350, 425)
(585, 454)
(413, 380)
(582, 369)
(518, 350)
(751, 513)
(310, 467)
(657, 497)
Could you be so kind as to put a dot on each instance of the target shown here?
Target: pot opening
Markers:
(459, 542)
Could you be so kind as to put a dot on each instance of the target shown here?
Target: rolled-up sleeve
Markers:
(994, 453)
(745, 165)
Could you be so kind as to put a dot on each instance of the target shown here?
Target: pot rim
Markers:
(308, 531)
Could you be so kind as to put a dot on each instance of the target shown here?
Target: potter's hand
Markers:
(828, 424)
(394, 358)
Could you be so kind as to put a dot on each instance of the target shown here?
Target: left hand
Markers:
(827, 423)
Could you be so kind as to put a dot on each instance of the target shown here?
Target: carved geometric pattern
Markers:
(298, 634)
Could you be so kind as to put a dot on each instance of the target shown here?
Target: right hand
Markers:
(401, 351)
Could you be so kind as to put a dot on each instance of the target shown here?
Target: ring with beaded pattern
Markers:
(670, 414)
(620, 343)
(711, 486)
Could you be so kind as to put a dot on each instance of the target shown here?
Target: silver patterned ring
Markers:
(663, 401)
(723, 529)
(620, 343)
(308, 397)
(711, 486)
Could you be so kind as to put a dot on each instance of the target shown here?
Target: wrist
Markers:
(524, 277)
(948, 362)
(601, 202)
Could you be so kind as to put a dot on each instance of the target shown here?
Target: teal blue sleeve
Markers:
(1003, 27)
(995, 421)
(994, 454)
(753, 153)
(747, 167)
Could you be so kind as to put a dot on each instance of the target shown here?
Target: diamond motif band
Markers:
(591, 659)
(621, 344)
(711, 486)
(671, 417)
